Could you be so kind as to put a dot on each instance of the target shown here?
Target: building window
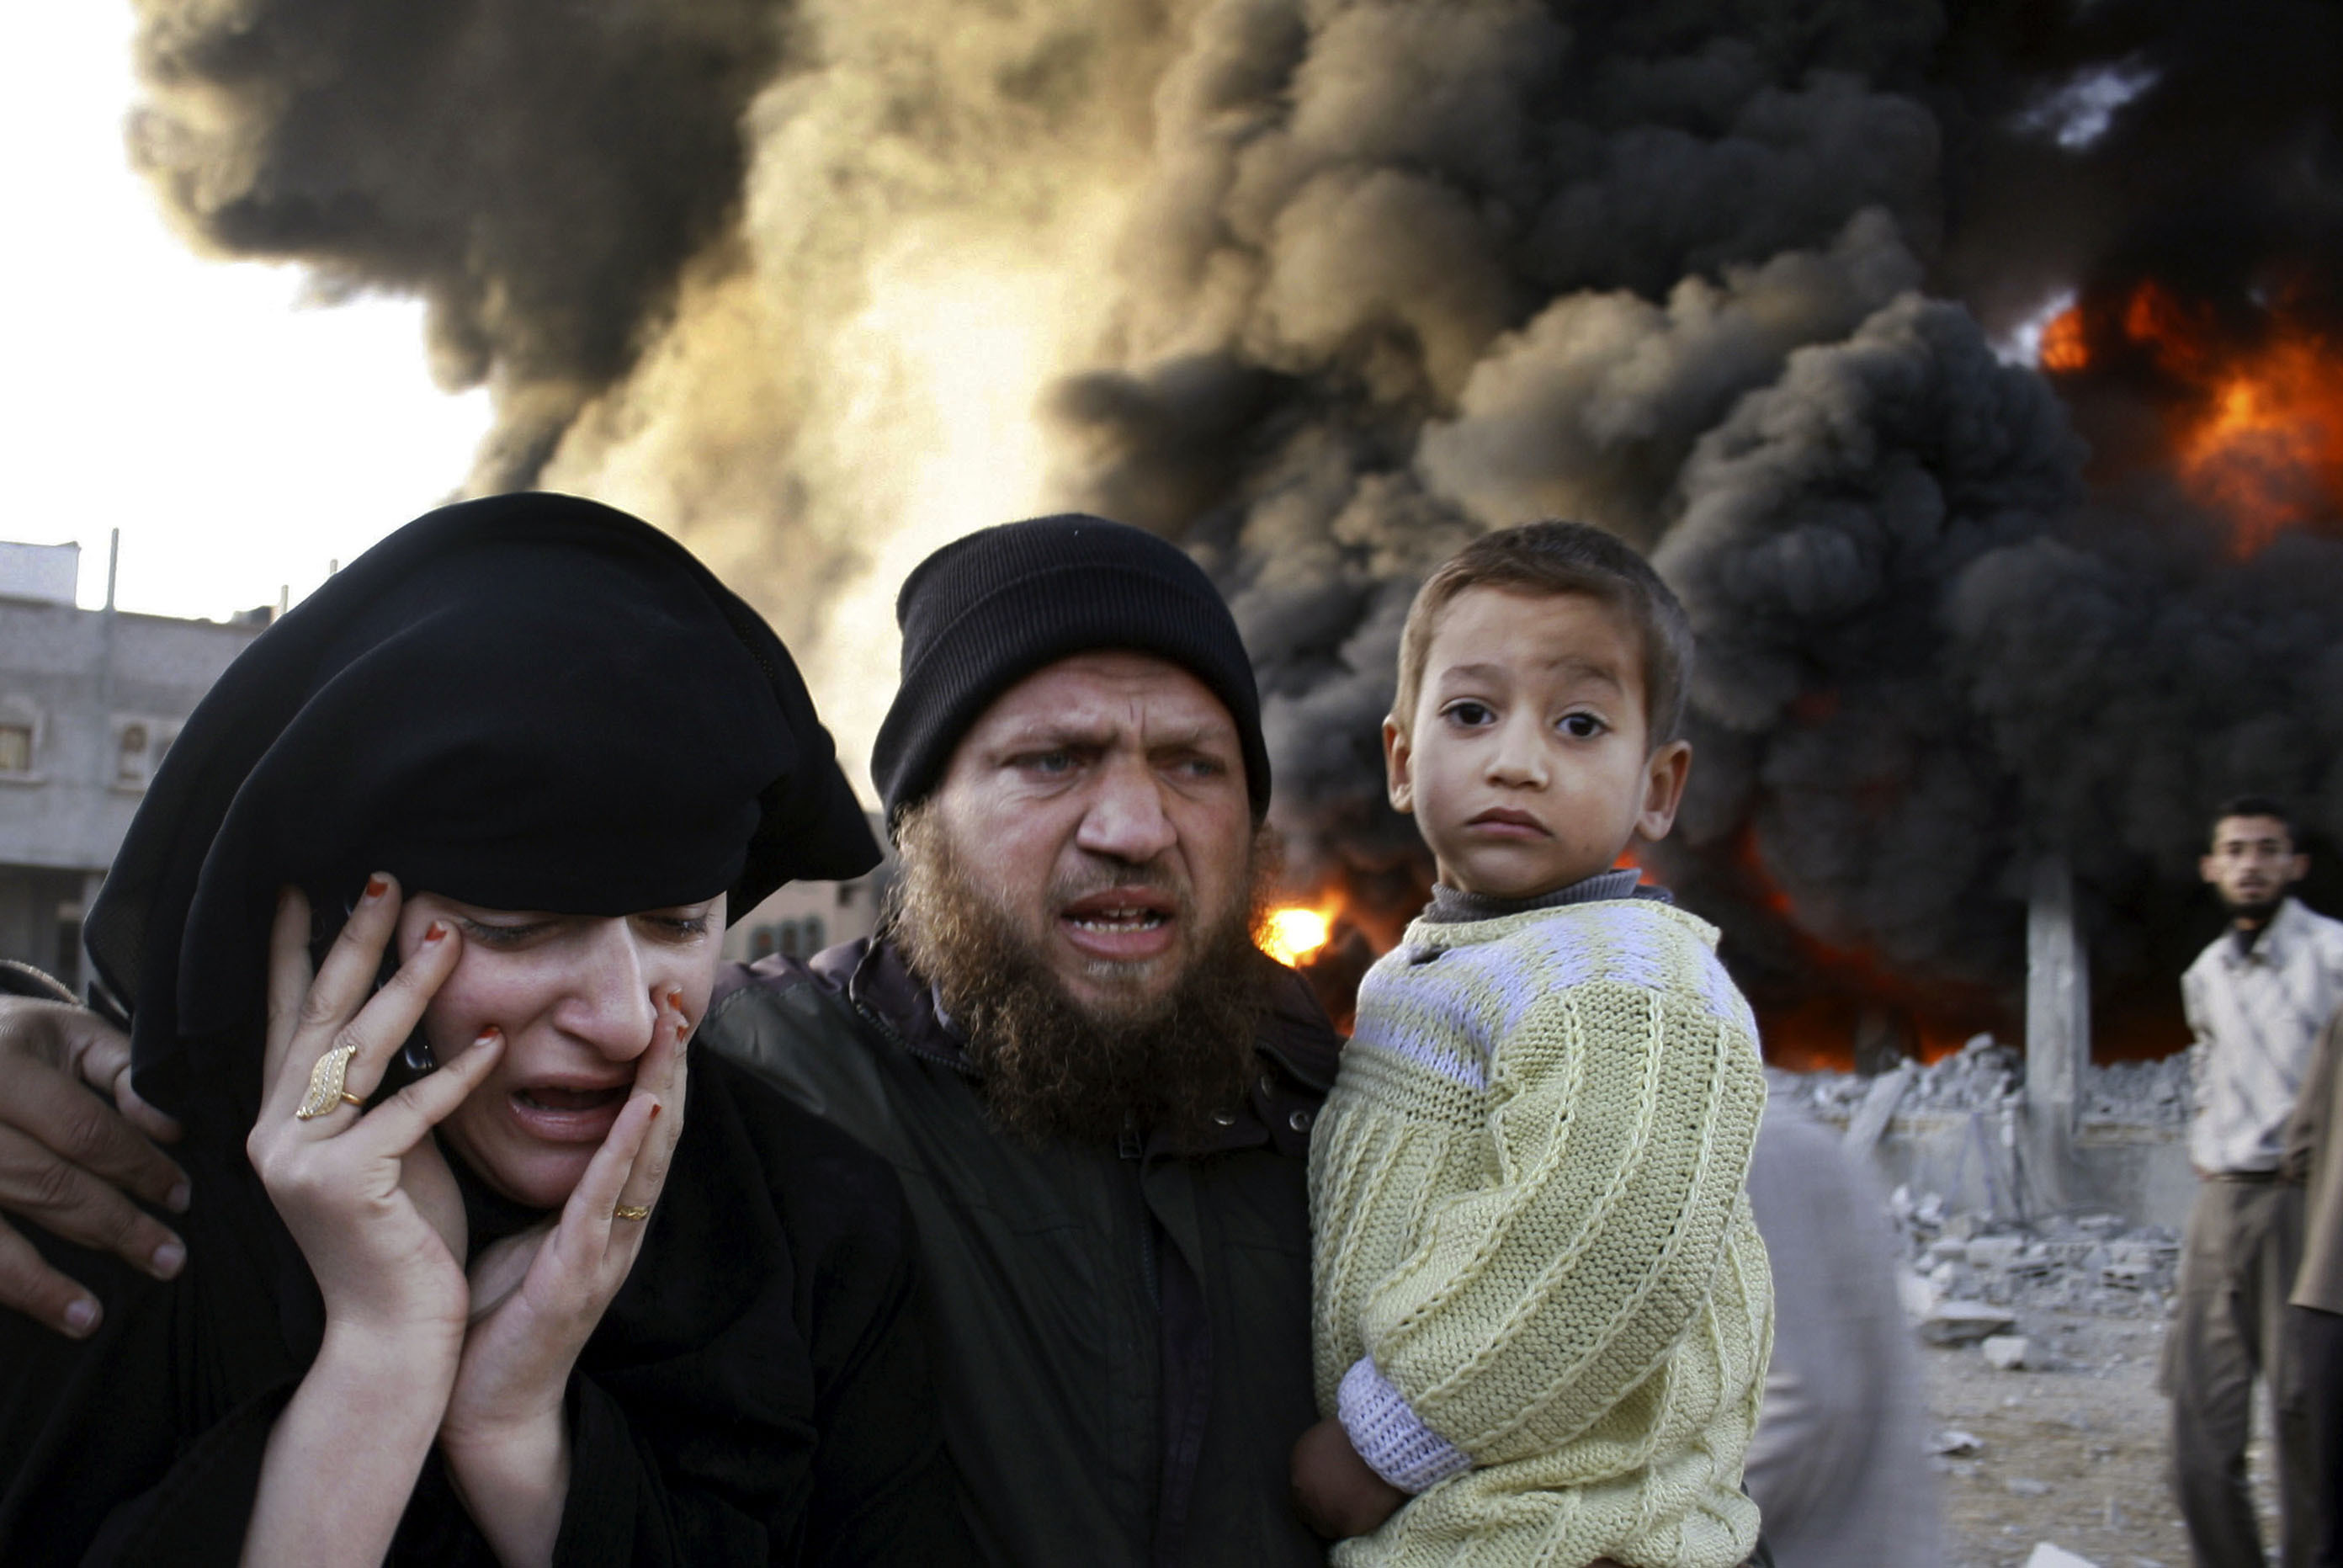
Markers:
(15, 747)
(138, 747)
(130, 759)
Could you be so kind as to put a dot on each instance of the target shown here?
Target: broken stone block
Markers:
(2005, 1352)
(1996, 1252)
(1954, 1440)
(1958, 1322)
(2034, 1264)
(2049, 1557)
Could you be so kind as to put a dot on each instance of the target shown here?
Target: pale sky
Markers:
(239, 439)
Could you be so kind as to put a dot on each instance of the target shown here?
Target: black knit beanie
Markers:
(987, 610)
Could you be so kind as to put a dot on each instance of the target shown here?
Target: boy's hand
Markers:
(1335, 1492)
(1339, 1496)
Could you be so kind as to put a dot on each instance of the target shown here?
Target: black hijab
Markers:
(526, 702)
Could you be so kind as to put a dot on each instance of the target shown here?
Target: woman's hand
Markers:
(536, 1298)
(374, 1212)
(368, 1197)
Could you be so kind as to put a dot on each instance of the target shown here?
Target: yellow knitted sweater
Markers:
(1542, 1304)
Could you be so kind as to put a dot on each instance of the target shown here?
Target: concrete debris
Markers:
(1878, 1107)
(2049, 1557)
(2091, 1262)
(1956, 1442)
(2085, 1262)
(2007, 1353)
(1956, 1323)
(1983, 1074)
(2141, 1093)
(2026, 1486)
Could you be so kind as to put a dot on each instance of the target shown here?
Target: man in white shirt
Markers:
(2256, 999)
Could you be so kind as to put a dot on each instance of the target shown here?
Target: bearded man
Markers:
(1097, 1092)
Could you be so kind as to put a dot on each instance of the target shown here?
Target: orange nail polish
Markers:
(438, 931)
(656, 1108)
(377, 887)
(488, 1036)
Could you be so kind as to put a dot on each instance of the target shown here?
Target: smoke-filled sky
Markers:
(1323, 287)
(240, 438)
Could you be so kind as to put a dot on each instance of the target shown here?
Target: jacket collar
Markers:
(2273, 946)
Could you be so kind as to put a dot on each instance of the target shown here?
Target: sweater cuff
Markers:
(1390, 1437)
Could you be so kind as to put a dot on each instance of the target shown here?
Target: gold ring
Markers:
(327, 1084)
(631, 1212)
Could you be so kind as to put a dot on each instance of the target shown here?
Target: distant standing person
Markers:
(2314, 1313)
(2256, 999)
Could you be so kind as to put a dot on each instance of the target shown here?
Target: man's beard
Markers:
(1054, 1067)
(2258, 913)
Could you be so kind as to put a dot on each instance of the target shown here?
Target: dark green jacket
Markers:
(1121, 1335)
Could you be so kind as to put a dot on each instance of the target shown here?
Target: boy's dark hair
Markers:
(2258, 806)
(1558, 558)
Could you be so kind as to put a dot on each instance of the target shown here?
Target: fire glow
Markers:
(1293, 933)
(1850, 992)
(2256, 428)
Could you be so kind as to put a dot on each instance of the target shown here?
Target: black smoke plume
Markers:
(1321, 289)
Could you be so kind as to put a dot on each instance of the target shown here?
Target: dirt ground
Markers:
(2071, 1453)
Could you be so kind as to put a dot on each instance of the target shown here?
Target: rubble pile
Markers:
(2141, 1093)
(1980, 1076)
(1972, 1274)
(1972, 1278)
(1985, 1075)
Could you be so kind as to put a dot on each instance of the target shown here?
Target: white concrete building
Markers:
(89, 702)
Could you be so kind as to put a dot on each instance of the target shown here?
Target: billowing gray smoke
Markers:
(1321, 289)
(539, 172)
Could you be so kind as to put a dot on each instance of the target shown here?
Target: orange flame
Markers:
(2256, 431)
(1293, 933)
(2064, 350)
(2271, 454)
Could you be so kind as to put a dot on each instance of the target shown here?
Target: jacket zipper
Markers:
(957, 1065)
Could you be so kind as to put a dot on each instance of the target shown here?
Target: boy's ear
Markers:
(1396, 758)
(1663, 785)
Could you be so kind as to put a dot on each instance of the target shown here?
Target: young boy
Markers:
(1542, 1310)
